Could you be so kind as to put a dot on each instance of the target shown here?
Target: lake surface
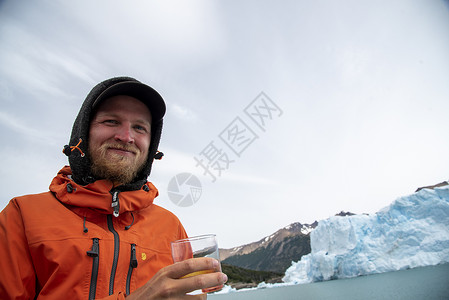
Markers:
(427, 283)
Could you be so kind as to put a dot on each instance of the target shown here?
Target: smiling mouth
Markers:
(122, 151)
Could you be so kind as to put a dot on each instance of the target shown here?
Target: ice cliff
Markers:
(412, 232)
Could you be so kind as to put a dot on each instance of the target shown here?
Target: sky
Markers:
(283, 111)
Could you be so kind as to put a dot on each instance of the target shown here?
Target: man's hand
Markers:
(168, 284)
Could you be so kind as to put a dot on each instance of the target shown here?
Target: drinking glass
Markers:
(197, 246)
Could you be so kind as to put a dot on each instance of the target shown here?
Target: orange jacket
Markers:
(65, 244)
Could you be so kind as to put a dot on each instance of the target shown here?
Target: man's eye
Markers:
(140, 128)
(110, 122)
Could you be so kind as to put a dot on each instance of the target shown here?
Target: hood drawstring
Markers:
(69, 149)
(69, 188)
(158, 155)
(129, 226)
(85, 230)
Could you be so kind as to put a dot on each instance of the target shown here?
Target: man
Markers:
(96, 233)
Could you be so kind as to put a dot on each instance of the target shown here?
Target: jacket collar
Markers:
(98, 195)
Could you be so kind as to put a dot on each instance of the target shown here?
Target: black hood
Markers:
(77, 150)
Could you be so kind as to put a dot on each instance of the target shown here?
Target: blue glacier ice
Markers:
(411, 232)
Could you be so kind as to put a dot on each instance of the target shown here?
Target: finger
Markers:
(203, 281)
(194, 266)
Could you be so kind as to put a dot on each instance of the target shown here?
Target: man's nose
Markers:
(124, 134)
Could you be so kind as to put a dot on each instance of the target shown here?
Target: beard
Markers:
(115, 167)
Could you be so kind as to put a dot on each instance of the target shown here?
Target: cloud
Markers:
(364, 105)
(243, 179)
(182, 112)
(24, 129)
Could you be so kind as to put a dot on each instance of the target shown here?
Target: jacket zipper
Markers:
(115, 203)
(94, 253)
(132, 265)
(116, 253)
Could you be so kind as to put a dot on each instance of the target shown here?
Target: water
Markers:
(427, 283)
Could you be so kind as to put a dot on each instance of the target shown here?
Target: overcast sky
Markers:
(359, 92)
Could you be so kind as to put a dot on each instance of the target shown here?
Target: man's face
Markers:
(119, 138)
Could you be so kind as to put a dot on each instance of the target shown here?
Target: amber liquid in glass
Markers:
(208, 290)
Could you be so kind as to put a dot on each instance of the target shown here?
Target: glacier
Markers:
(413, 231)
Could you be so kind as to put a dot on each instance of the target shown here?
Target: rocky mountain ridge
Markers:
(273, 253)
(290, 230)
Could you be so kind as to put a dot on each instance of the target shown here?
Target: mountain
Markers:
(274, 253)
